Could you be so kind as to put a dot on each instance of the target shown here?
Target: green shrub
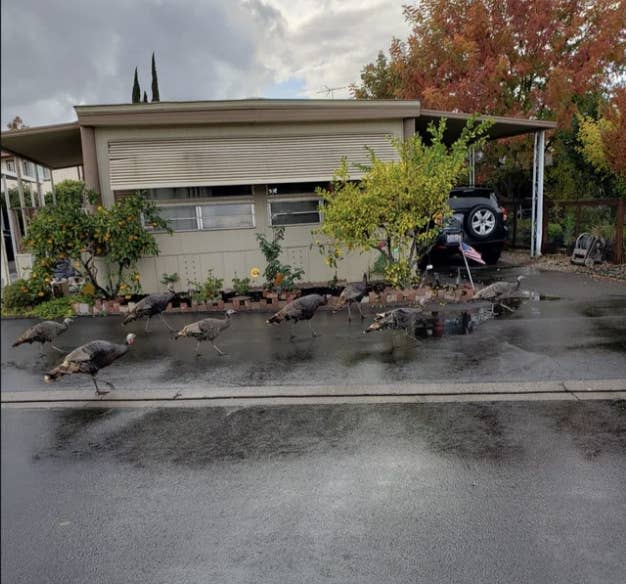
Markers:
(17, 296)
(60, 307)
(278, 276)
(207, 291)
(241, 286)
(169, 278)
(555, 234)
(380, 265)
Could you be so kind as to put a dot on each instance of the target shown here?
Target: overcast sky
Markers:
(59, 54)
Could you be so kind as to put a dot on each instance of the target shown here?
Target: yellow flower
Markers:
(39, 293)
(255, 272)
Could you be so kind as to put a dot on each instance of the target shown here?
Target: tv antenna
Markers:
(330, 91)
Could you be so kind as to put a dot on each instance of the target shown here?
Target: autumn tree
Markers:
(394, 209)
(507, 57)
(602, 141)
(532, 58)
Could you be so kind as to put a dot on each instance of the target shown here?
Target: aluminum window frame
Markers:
(294, 199)
(199, 220)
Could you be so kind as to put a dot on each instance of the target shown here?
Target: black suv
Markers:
(479, 218)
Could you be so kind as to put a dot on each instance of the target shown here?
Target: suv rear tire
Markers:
(481, 221)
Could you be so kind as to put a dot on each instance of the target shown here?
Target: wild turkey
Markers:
(151, 305)
(207, 329)
(43, 332)
(89, 359)
(405, 319)
(498, 290)
(300, 309)
(354, 292)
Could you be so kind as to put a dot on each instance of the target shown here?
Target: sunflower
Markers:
(255, 272)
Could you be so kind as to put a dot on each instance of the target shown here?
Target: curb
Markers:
(573, 389)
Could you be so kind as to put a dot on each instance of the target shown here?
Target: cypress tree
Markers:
(145, 97)
(136, 89)
(155, 82)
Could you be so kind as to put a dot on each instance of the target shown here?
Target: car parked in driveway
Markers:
(478, 219)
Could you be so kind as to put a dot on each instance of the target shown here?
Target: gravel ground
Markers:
(561, 263)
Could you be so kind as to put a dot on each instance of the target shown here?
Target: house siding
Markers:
(126, 155)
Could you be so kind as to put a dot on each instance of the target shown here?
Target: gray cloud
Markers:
(59, 54)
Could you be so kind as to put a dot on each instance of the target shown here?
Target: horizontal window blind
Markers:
(154, 163)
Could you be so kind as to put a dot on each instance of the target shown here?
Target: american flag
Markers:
(471, 254)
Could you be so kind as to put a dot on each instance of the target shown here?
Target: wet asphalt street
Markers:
(577, 332)
(466, 493)
(506, 492)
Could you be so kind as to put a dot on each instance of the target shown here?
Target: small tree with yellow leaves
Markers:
(397, 206)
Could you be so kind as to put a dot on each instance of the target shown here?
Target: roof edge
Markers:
(533, 123)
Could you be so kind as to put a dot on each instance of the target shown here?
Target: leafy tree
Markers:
(145, 97)
(378, 80)
(602, 143)
(533, 58)
(396, 206)
(527, 57)
(116, 236)
(16, 124)
(136, 89)
(155, 81)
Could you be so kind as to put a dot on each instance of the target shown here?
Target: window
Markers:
(29, 169)
(11, 165)
(180, 218)
(46, 173)
(208, 217)
(185, 193)
(304, 211)
(236, 216)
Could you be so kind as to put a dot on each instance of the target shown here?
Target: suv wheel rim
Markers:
(483, 222)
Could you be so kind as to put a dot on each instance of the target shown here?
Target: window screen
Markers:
(234, 216)
(180, 218)
(294, 212)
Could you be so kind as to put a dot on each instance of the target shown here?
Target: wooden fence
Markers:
(617, 204)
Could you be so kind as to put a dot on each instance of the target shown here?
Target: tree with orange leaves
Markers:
(506, 57)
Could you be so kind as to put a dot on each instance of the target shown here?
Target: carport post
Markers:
(537, 207)
(472, 166)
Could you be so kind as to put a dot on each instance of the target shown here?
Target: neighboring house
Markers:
(223, 171)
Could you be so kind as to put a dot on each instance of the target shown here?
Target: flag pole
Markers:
(469, 274)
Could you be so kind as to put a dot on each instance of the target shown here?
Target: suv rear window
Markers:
(472, 192)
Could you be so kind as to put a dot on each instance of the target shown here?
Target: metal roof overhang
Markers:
(57, 146)
(502, 127)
